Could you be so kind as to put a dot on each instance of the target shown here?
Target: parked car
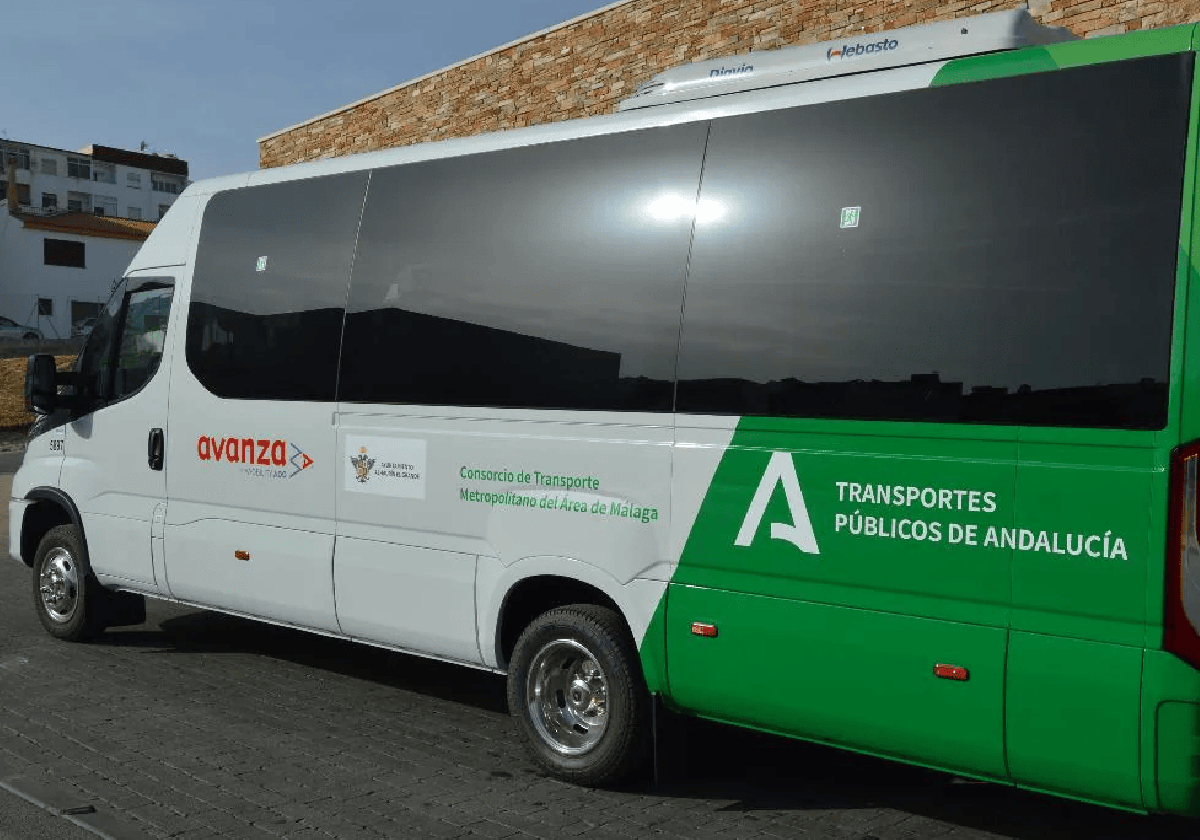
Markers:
(82, 328)
(10, 329)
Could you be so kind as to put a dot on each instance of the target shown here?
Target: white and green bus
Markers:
(846, 392)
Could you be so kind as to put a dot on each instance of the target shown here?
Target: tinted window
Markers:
(269, 289)
(95, 359)
(143, 336)
(1000, 252)
(542, 277)
(124, 347)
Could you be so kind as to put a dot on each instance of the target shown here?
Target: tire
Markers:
(576, 691)
(70, 605)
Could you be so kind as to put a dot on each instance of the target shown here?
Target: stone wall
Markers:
(586, 66)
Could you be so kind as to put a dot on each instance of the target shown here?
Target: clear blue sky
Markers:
(205, 79)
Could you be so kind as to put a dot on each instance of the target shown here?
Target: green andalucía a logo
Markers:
(780, 470)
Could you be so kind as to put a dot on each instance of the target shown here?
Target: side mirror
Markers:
(41, 384)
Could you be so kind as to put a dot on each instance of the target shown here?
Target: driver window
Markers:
(95, 361)
(143, 336)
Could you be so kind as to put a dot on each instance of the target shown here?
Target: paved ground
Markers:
(22, 819)
(200, 725)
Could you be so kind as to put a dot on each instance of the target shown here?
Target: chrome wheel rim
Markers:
(567, 696)
(58, 585)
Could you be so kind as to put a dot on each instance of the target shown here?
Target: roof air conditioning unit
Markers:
(909, 45)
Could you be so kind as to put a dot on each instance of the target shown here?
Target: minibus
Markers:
(849, 392)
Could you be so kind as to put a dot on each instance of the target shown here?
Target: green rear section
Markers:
(1032, 559)
(1023, 556)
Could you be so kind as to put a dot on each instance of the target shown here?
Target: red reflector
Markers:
(709, 630)
(951, 672)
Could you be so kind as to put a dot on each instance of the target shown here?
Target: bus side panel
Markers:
(419, 497)
(1072, 717)
(1084, 504)
(1084, 510)
(856, 678)
(840, 570)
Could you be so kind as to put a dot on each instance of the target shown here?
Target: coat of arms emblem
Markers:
(362, 464)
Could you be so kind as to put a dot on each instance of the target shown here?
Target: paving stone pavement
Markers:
(199, 725)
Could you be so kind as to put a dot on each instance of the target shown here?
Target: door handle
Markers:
(154, 449)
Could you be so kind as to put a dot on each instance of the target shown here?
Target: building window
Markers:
(165, 183)
(49, 166)
(79, 202)
(64, 252)
(49, 201)
(79, 168)
(22, 192)
(46, 306)
(22, 156)
(162, 210)
(104, 205)
(133, 212)
(104, 173)
(133, 180)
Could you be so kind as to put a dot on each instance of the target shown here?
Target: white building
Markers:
(71, 224)
(96, 179)
(56, 271)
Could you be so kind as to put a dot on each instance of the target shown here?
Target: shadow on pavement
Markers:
(763, 777)
(210, 632)
(766, 774)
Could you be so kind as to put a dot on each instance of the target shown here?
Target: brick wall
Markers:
(587, 66)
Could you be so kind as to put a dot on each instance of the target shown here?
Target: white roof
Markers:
(895, 48)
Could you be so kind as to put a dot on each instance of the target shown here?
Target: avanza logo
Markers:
(253, 453)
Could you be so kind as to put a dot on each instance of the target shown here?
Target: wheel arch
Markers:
(532, 596)
(534, 585)
(50, 507)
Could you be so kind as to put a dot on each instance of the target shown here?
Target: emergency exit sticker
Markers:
(850, 216)
(261, 265)
(385, 466)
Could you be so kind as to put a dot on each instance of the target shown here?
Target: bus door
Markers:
(113, 467)
(250, 522)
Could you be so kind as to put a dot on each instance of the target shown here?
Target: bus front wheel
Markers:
(576, 691)
(64, 592)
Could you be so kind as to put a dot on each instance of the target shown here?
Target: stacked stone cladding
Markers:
(586, 66)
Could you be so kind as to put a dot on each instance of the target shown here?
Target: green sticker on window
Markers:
(261, 265)
(850, 216)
